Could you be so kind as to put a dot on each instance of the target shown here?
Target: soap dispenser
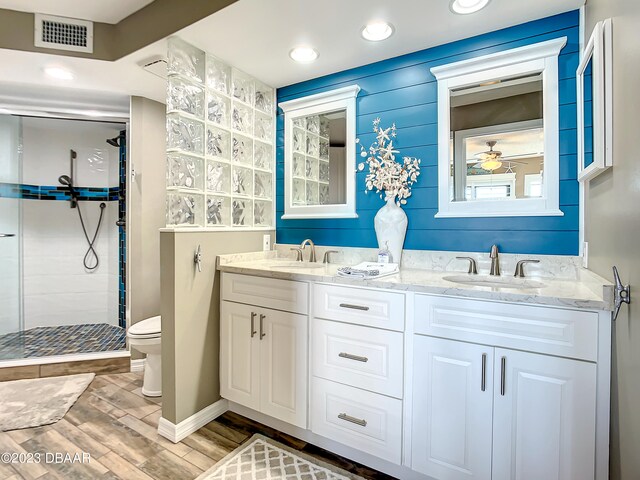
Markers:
(384, 255)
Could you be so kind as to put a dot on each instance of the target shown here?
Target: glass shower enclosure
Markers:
(10, 255)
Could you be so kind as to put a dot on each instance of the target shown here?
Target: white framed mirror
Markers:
(498, 134)
(319, 155)
(594, 102)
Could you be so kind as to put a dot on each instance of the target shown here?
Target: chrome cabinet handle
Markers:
(357, 358)
(354, 307)
(349, 418)
(503, 368)
(262, 334)
(6, 235)
(483, 381)
(253, 328)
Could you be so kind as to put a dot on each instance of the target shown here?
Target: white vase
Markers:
(391, 227)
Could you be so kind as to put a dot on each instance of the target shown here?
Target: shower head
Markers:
(65, 180)
(115, 141)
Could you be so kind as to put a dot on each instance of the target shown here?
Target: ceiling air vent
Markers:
(156, 65)
(63, 33)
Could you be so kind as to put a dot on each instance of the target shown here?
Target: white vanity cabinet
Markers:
(263, 351)
(452, 409)
(421, 386)
(486, 412)
(357, 363)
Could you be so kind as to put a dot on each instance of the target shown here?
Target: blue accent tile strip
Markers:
(121, 195)
(48, 192)
(403, 90)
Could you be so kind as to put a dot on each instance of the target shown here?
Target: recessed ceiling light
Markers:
(376, 31)
(464, 7)
(303, 54)
(59, 73)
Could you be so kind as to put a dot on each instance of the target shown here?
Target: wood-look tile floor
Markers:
(117, 426)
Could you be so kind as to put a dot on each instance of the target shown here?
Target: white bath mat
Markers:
(261, 458)
(39, 401)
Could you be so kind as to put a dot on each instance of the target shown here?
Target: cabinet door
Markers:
(452, 409)
(283, 366)
(544, 417)
(239, 354)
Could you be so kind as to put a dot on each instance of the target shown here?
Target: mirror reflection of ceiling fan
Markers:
(491, 159)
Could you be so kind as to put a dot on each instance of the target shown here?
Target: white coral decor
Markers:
(387, 176)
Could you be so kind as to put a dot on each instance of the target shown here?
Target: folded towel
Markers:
(369, 270)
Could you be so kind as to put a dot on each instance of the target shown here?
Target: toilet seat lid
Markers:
(148, 326)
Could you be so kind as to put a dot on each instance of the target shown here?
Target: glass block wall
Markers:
(311, 160)
(220, 137)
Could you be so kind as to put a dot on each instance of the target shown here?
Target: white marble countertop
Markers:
(588, 291)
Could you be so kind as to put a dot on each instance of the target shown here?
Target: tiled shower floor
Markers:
(63, 340)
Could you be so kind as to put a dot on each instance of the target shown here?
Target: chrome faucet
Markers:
(495, 261)
(312, 255)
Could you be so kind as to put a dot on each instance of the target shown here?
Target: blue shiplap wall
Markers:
(403, 90)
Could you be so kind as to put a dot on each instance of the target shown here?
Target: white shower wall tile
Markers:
(47, 144)
(57, 288)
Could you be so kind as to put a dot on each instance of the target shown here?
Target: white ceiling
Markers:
(106, 11)
(124, 77)
(256, 36)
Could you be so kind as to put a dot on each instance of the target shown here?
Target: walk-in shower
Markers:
(62, 279)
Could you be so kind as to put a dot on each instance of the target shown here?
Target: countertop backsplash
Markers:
(550, 266)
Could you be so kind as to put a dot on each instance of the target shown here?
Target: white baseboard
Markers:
(175, 433)
(137, 365)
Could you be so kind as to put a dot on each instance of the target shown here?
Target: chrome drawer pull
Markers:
(483, 381)
(354, 307)
(253, 321)
(349, 418)
(357, 358)
(503, 375)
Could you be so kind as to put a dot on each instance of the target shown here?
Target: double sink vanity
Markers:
(428, 373)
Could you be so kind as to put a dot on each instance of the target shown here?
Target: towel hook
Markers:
(197, 258)
(622, 293)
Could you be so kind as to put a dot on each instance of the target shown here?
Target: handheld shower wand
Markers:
(65, 180)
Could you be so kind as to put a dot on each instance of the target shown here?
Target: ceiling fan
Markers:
(491, 159)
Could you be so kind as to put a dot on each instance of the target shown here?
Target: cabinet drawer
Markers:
(363, 420)
(362, 357)
(566, 333)
(266, 292)
(373, 308)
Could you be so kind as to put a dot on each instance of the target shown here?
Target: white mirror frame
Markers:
(339, 99)
(597, 49)
(537, 58)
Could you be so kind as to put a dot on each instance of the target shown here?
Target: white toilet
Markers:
(145, 336)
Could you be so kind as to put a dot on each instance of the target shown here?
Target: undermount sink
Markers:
(289, 264)
(494, 282)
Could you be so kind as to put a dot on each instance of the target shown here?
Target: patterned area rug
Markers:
(39, 401)
(261, 458)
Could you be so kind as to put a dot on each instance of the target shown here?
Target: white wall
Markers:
(56, 287)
